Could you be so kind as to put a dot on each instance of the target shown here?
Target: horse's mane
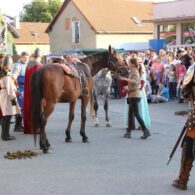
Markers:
(98, 53)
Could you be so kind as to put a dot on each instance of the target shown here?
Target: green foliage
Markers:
(53, 6)
(14, 50)
(1, 18)
(9, 37)
(40, 10)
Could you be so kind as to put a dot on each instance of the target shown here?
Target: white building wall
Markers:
(103, 41)
(61, 39)
(179, 8)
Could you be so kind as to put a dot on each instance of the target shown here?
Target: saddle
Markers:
(78, 71)
(71, 71)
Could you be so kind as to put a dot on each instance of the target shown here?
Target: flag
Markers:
(3, 36)
(192, 33)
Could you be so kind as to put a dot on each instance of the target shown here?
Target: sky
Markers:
(14, 7)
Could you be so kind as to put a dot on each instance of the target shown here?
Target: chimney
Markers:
(17, 22)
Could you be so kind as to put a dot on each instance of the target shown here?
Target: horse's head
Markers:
(117, 64)
(115, 60)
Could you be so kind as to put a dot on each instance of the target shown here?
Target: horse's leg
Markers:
(95, 106)
(46, 111)
(84, 102)
(71, 118)
(44, 143)
(106, 111)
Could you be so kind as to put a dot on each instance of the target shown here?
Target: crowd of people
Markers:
(164, 73)
(15, 92)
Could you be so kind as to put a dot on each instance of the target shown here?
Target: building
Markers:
(32, 35)
(99, 23)
(175, 22)
(23, 36)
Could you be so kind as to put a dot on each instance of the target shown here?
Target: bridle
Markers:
(119, 69)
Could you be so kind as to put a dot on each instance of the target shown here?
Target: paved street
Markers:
(108, 165)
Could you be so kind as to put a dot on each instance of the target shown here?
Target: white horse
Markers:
(102, 84)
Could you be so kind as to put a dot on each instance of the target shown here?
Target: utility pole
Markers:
(5, 33)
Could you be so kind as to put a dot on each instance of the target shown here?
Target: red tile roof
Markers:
(32, 32)
(107, 16)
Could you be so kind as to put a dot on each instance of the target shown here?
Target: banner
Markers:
(3, 37)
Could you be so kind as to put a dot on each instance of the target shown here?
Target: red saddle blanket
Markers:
(70, 70)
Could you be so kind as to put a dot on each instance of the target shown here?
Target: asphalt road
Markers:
(108, 165)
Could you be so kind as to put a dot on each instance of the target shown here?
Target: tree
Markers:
(40, 10)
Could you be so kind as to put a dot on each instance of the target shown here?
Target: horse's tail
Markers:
(91, 101)
(38, 118)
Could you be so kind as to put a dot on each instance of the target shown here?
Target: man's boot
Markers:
(5, 129)
(182, 180)
(18, 124)
(146, 134)
(128, 133)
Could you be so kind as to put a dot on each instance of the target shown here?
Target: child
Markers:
(162, 95)
(180, 72)
(172, 82)
(166, 72)
(179, 87)
(8, 100)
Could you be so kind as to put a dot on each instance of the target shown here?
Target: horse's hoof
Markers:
(47, 145)
(68, 140)
(108, 125)
(45, 150)
(85, 140)
(96, 125)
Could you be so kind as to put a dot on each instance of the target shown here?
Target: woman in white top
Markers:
(8, 101)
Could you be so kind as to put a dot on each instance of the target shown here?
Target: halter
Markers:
(119, 69)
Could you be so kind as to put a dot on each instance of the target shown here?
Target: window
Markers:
(67, 24)
(167, 32)
(76, 31)
(188, 33)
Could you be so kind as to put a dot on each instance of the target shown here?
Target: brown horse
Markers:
(50, 83)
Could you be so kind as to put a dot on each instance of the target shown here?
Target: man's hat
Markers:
(7, 62)
(189, 75)
(37, 52)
